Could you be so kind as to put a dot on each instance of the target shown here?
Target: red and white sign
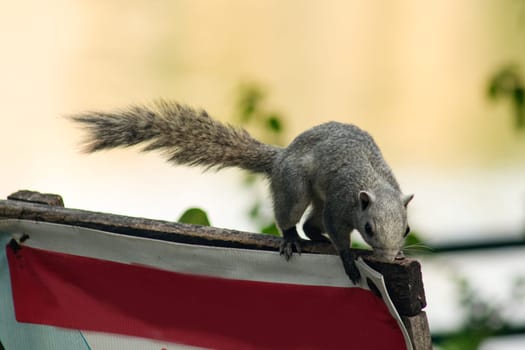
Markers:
(113, 291)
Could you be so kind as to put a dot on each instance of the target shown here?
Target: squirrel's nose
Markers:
(386, 255)
(400, 255)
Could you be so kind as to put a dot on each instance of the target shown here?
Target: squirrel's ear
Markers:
(407, 199)
(365, 198)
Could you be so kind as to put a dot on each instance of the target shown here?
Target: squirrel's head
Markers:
(382, 222)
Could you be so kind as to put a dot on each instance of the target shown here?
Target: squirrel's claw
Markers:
(287, 246)
(290, 240)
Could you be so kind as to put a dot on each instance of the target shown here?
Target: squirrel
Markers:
(335, 167)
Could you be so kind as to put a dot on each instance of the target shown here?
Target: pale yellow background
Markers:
(413, 73)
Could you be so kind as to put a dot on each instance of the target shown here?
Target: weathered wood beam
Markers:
(404, 280)
(37, 197)
(402, 277)
(418, 330)
(155, 229)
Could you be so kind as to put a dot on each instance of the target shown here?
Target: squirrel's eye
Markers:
(368, 229)
(407, 231)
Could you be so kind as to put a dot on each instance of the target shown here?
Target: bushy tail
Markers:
(185, 135)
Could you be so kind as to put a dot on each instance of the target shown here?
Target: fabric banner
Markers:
(66, 287)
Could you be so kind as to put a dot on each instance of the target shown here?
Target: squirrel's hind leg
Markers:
(314, 227)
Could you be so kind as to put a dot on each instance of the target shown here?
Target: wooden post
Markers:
(402, 277)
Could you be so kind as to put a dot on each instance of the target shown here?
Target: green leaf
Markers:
(271, 229)
(494, 89)
(359, 245)
(249, 101)
(274, 124)
(413, 238)
(195, 216)
(255, 211)
(250, 179)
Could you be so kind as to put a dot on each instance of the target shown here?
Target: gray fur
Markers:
(330, 165)
(336, 167)
(185, 135)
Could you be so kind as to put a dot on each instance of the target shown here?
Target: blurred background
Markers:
(440, 86)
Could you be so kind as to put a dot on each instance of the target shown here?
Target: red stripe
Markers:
(91, 294)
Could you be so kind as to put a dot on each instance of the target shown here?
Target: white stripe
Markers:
(241, 264)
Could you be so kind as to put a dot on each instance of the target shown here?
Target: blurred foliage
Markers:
(413, 239)
(484, 317)
(271, 229)
(507, 84)
(252, 111)
(195, 216)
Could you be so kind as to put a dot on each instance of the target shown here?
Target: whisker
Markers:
(421, 248)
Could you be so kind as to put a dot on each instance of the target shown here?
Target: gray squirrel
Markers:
(335, 167)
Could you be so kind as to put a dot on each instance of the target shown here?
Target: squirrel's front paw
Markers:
(353, 272)
(287, 246)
